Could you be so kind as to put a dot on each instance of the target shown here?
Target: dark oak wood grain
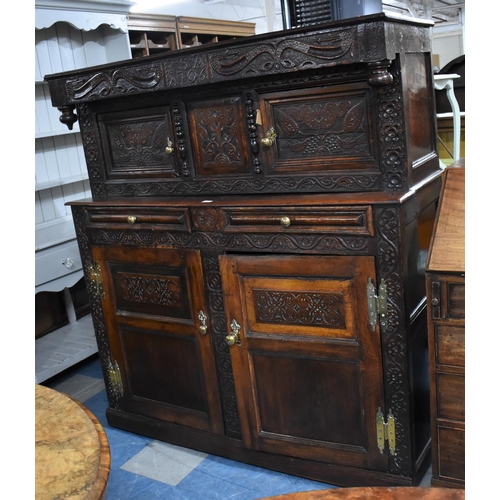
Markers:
(269, 181)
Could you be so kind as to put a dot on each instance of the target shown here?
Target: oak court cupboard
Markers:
(255, 244)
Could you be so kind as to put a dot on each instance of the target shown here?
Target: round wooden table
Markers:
(378, 493)
(72, 456)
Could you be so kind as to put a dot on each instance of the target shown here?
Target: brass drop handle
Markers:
(203, 328)
(269, 139)
(285, 221)
(131, 219)
(170, 147)
(233, 337)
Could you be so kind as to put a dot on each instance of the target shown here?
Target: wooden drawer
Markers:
(450, 396)
(448, 298)
(451, 453)
(165, 218)
(450, 345)
(341, 220)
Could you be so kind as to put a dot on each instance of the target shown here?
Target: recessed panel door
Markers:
(154, 308)
(307, 366)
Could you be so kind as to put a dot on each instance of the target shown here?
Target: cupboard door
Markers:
(151, 304)
(307, 367)
(139, 144)
(325, 129)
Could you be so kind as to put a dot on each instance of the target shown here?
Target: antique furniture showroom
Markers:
(254, 247)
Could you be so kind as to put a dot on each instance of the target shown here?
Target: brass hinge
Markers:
(377, 304)
(386, 431)
(96, 280)
(115, 377)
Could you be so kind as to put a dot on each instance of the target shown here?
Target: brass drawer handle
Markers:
(285, 221)
(170, 147)
(131, 219)
(269, 139)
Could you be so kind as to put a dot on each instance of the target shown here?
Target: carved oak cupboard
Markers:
(255, 245)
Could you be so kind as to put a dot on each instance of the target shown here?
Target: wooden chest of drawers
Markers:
(446, 316)
(255, 242)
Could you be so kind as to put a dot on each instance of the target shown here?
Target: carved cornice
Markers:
(288, 52)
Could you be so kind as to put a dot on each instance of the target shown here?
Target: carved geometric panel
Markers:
(154, 291)
(325, 127)
(218, 136)
(135, 144)
(310, 308)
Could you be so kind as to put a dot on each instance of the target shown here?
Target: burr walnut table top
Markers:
(379, 493)
(72, 456)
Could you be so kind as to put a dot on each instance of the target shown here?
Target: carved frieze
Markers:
(314, 243)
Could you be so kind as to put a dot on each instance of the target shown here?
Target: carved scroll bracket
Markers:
(68, 115)
(379, 74)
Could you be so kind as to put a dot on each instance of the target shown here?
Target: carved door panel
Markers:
(139, 144)
(307, 367)
(152, 304)
(324, 129)
(218, 135)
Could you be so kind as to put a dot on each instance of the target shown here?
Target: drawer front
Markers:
(56, 262)
(450, 345)
(144, 218)
(340, 220)
(447, 296)
(456, 300)
(451, 396)
(451, 453)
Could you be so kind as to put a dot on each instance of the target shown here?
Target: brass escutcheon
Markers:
(131, 219)
(269, 139)
(170, 147)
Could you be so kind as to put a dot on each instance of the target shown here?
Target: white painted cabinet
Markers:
(68, 35)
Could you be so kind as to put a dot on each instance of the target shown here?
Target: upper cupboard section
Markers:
(305, 140)
(344, 107)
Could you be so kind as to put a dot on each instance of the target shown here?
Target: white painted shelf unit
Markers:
(69, 34)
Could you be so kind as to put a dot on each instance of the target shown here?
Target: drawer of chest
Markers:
(450, 396)
(341, 220)
(450, 345)
(448, 297)
(163, 218)
(451, 453)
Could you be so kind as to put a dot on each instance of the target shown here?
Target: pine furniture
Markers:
(255, 245)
